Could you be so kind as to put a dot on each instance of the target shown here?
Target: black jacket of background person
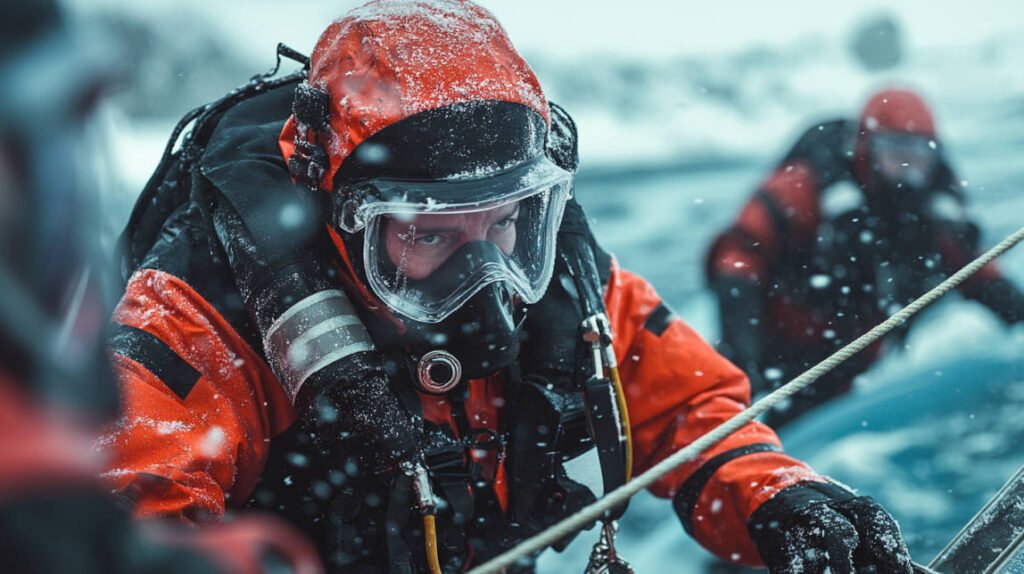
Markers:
(815, 258)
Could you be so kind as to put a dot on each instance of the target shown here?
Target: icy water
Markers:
(931, 433)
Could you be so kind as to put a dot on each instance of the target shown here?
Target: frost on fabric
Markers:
(164, 301)
(128, 424)
(781, 478)
(390, 60)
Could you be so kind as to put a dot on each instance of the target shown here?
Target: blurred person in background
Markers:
(429, 303)
(859, 218)
(56, 386)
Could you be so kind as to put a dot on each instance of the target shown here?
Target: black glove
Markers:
(351, 410)
(1002, 297)
(740, 309)
(811, 526)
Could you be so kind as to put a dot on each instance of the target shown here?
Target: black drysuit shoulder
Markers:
(828, 148)
(268, 228)
(247, 135)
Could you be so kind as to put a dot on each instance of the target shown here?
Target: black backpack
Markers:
(175, 181)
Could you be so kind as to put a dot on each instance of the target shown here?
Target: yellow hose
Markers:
(620, 398)
(430, 537)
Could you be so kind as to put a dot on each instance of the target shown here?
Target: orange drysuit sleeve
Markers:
(783, 211)
(200, 405)
(677, 389)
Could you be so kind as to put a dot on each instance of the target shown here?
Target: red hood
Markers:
(389, 60)
(896, 110)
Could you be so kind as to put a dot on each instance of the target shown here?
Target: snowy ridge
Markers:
(748, 103)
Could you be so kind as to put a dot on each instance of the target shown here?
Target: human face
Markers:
(424, 242)
(430, 246)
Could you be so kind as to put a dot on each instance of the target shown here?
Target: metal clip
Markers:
(421, 486)
(605, 327)
(604, 559)
(592, 334)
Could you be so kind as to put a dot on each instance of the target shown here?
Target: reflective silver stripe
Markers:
(312, 334)
(324, 327)
(333, 356)
(302, 305)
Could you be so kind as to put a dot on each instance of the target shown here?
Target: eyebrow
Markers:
(417, 229)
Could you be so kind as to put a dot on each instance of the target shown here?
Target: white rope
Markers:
(592, 513)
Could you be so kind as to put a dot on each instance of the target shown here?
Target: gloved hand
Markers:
(808, 527)
(1003, 297)
(352, 411)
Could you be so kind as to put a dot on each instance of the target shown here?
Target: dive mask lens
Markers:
(425, 259)
(905, 160)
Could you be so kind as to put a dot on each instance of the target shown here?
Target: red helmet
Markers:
(899, 111)
(897, 146)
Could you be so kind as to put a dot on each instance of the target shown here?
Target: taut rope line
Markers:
(592, 513)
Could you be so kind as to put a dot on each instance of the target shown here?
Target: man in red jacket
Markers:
(56, 387)
(860, 218)
(431, 297)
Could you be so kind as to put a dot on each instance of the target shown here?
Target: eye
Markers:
(507, 222)
(429, 239)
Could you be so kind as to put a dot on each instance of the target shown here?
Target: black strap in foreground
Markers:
(685, 500)
(606, 431)
(149, 351)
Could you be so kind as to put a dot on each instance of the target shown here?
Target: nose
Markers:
(475, 228)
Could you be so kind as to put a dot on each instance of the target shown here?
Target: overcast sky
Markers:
(635, 28)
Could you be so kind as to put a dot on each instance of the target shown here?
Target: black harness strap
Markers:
(489, 532)
(599, 392)
(602, 416)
